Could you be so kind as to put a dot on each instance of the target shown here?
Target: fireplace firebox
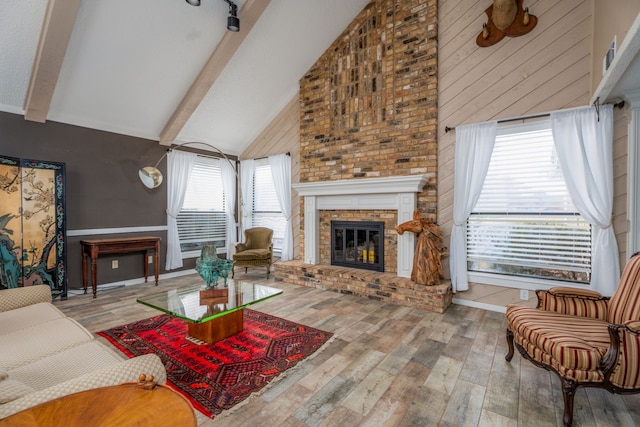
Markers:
(358, 244)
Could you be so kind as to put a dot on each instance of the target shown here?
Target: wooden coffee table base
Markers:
(219, 328)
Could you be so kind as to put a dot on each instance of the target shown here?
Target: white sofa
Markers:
(45, 354)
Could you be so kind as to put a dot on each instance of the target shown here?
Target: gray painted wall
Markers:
(102, 186)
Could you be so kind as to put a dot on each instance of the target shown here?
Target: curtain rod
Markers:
(596, 104)
(200, 151)
(265, 157)
(217, 155)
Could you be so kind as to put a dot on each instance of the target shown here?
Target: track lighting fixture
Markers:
(233, 23)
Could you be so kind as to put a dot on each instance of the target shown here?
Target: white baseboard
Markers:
(135, 281)
(482, 305)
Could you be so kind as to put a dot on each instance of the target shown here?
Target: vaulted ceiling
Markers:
(162, 69)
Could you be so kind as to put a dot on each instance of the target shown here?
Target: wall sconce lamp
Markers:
(233, 23)
(151, 176)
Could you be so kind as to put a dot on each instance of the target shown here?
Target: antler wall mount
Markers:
(505, 18)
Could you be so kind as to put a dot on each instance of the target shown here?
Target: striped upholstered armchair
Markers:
(588, 340)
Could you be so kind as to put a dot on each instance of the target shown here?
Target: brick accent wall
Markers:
(368, 106)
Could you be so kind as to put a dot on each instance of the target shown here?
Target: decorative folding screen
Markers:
(33, 225)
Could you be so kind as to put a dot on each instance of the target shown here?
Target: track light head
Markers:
(233, 23)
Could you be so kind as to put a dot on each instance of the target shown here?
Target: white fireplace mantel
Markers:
(399, 193)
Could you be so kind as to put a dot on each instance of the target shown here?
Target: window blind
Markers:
(202, 218)
(524, 222)
(266, 208)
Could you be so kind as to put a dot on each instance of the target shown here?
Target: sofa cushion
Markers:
(572, 346)
(26, 317)
(30, 344)
(22, 297)
(11, 389)
(65, 365)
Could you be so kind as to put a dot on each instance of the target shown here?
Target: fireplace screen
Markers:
(358, 244)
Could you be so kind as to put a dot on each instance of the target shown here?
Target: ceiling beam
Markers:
(250, 13)
(57, 27)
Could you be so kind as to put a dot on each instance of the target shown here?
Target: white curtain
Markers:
(229, 188)
(585, 152)
(281, 173)
(474, 145)
(179, 166)
(247, 169)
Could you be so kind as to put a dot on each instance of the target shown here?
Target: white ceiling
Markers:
(130, 64)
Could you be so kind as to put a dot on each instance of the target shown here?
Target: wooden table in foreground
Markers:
(91, 249)
(212, 315)
(121, 405)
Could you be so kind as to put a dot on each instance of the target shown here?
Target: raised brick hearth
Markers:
(387, 287)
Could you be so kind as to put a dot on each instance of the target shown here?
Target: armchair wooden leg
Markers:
(268, 270)
(509, 355)
(233, 271)
(568, 393)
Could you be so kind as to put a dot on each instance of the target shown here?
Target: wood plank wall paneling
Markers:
(545, 70)
(282, 136)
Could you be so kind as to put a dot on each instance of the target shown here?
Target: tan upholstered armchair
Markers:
(588, 340)
(257, 250)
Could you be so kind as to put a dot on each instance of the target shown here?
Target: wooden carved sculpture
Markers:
(427, 265)
(506, 18)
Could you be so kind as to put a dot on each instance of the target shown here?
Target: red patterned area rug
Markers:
(217, 376)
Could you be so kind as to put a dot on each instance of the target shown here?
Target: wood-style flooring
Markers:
(386, 365)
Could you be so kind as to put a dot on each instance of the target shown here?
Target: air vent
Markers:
(608, 58)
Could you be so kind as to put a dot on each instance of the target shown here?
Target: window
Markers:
(202, 218)
(524, 222)
(266, 208)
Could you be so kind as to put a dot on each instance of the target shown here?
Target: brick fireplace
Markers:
(368, 149)
(392, 199)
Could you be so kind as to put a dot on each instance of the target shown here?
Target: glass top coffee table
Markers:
(212, 315)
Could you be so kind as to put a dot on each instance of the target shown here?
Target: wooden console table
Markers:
(93, 248)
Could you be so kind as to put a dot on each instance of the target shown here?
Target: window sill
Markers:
(518, 282)
(196, 254)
